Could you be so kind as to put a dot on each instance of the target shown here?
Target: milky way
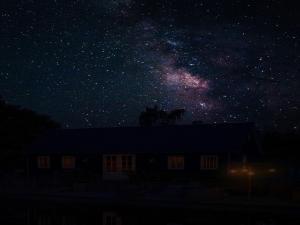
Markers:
(100, 63)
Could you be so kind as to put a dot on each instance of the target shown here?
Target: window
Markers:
(44, 220)
(43, 162)
(119, 163)
(209, 162)
(175, 162)
(67, 219)
(127, 164)
(68, 162)
(111, 218)
(110, 163)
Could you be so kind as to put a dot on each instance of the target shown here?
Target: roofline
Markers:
(161, 126)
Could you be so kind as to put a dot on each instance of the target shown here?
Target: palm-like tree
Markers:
(155, 117)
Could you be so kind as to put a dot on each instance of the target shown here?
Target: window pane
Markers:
(110, 163)
(43, 162)
(127, 164)
(176, 162)
(118, 163)
(209, 162)
(68, 162)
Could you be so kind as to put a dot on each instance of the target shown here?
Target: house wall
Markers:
(149, 167)
(88, 168)
(155, 167)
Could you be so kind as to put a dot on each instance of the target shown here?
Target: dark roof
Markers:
(180, 139)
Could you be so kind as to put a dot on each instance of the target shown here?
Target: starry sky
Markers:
(96, 63)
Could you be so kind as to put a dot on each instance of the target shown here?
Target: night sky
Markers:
(95, 63)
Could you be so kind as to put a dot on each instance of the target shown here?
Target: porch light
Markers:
(251, 173)
(233, 171)
(245, 170)
(272, 170)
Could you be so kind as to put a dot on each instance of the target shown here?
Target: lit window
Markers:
(43, 162)
(209, 162)
(119, 163)
(175, 162)
(68, 162)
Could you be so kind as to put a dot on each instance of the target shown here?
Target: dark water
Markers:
(66, 214)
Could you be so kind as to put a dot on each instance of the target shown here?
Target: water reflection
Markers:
(92, 215)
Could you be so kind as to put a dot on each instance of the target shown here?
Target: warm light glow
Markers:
(233, 171)
(251, 173)
(272, 170)
(245, 170)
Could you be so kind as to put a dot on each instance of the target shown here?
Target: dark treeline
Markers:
(18, 128)
(284, 145)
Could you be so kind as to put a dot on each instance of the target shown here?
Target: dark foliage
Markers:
(282, 145)
(18, 128)
(156, 117)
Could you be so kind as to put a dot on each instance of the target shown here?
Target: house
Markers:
(166, 153)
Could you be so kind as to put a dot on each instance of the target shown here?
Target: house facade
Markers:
(168, 153)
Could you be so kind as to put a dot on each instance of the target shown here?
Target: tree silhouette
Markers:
(175, 115)
(18, 128)
(155, 117)
(281, 144)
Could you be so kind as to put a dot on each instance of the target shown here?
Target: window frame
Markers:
(209, 162)
(73, 162)
(108, 160)
(111, 218)
(127, 163)
(118, 163)
(176, 163)
(43, 162)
